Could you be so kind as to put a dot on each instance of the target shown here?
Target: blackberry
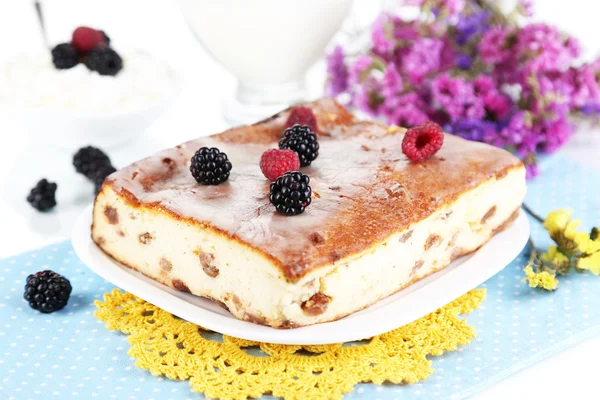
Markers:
(303, 141)
(104, 61)
(210, 167)
(290, 193)
(64, 56)
(100, 175)
(88, 160)
(47, 291)
(42, 196)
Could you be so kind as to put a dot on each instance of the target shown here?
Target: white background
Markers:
(158, 27)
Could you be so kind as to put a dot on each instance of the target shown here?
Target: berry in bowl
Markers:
(86, 91)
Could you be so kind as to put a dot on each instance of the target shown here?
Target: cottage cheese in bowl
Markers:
(83, 107)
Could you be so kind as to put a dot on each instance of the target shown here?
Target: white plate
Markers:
(402, 308)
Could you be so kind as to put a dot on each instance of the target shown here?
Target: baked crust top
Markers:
(364, 187)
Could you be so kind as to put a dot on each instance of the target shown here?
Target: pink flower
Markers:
(392, 84)
(573, 47)
(484, 85)
(381, 35)
(405, 110)
(457, 98)
(422, 58)
(494, 47)
(525, 7)
(498, 104)
(473, 107)
(447, 55)
(516, 131)
(359, 70)
(405, 30)
(531, 171)
(541, 88)
(337, 72)
(495, 102)
(453, 7)
(368, 97)
(556, 85)
(526, 89)
(585, 89)
(554, 134)
(445, 88)
(542, 49)
(595, 64)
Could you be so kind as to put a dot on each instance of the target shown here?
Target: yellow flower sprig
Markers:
(574, 250)
(536, 274)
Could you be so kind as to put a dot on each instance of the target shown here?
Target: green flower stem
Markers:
(534, 259)
(532, 252)
(533, 214)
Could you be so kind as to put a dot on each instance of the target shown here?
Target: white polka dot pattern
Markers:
(70, 355)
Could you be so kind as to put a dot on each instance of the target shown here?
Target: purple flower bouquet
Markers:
(474, 70)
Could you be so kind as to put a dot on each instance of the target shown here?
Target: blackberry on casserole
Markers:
(209, 166)
(291, 193)
(88, 160)
(104, 61)
(64, 56)
(42, 196)
(47, 291)
(303, 141)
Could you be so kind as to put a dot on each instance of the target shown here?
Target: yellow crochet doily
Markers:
(225, 367)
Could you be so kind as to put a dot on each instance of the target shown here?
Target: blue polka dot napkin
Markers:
(70, 355)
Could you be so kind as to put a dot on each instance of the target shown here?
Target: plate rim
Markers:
(351, 328)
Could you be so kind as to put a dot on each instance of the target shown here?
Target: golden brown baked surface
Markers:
(364, 187)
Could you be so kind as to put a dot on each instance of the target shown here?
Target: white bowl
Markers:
(71, 129)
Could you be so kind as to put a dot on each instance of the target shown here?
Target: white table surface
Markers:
(158, 27)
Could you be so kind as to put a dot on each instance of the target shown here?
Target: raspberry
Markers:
(275, 162)
(42, 196)
(86, 39)
(302, 116)
(303, 141)
(290, 193)
(209, 166)
(47, 291)
(423, 141)
(64, 56)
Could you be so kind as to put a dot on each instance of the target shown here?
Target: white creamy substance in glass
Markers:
(265, 42)
(33, 81)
